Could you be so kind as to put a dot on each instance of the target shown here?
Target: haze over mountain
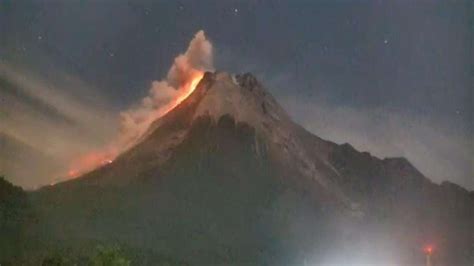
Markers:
(43, 129)
(226, 177)
(23, 161)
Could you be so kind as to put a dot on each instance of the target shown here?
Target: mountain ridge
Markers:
(248, 82)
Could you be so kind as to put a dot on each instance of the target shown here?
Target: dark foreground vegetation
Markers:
(18, 246)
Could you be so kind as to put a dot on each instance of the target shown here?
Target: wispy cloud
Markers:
(58, 122)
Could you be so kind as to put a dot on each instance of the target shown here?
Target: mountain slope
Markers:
(228, 177)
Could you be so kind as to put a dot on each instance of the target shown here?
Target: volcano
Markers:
(226, 177)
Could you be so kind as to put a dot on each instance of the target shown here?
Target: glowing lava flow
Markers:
(184, 92)
(89, 162)
(98, 159)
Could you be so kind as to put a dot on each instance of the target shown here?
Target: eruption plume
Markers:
(164, 95)
(183, 76)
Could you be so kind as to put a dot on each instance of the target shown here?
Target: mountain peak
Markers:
(247, 80)
(241, 96)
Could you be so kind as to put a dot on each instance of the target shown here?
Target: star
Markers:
(236, 10)
(385, 41)
(40, 37)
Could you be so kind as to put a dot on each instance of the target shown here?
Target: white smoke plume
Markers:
(165, 94)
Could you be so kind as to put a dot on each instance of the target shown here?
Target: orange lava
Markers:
(185, 91)
(98, 159)
(89, 162)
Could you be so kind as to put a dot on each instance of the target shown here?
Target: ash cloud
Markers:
(197, 59)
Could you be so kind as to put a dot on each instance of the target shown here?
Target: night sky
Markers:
(392, 79)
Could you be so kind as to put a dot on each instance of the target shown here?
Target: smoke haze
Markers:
(44, 127)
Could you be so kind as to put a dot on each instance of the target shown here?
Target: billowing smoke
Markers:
(166, 94)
